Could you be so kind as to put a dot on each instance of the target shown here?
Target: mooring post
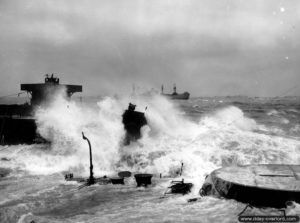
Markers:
(91, 180)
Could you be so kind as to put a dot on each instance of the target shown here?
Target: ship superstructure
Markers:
(175, 95)
(43, 91)
(17, 124)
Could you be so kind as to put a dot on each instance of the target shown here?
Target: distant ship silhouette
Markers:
(175, 95)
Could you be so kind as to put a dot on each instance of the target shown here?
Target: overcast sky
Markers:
(207, 47)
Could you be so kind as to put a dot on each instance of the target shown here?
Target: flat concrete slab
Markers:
(270, 185)
(272, 177)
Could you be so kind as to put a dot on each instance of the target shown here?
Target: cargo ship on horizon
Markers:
(175, 95)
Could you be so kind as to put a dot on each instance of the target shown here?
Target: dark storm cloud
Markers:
(206, 47)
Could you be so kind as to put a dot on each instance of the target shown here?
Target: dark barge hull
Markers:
(17, 125)
(15, 131)
(183, 96)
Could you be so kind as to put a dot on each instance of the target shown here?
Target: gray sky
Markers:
(208, 47)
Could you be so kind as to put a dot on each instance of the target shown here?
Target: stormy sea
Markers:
(203, 133)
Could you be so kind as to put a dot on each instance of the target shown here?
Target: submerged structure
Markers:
(271, 185)
(179, 187)
(17, 123)
(175, 95)
(133, 121)
(143, 179)
(41, 93)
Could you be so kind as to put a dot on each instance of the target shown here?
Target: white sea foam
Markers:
(223, 137)
(23, 217)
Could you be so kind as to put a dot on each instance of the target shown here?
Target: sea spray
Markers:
(219, 138)
(230, 134)
(62, 123)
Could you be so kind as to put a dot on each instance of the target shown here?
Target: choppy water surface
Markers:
(203, 133)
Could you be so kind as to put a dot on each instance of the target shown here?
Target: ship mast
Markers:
(174, 89)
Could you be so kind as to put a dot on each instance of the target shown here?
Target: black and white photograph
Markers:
(149, 111)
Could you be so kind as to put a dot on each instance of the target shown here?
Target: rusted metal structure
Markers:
(17, 122)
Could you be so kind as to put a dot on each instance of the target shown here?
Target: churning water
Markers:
(203, 133)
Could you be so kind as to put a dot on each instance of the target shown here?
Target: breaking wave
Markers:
(225, 136)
